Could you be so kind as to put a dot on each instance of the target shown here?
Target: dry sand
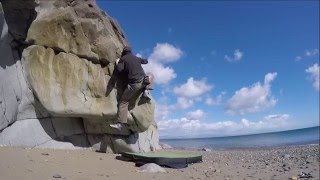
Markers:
(275, 163)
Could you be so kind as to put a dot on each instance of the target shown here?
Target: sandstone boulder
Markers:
(67, 85)
(62, 30)
(58, 88)
(136, 142)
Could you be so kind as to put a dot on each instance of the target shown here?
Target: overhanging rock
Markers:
(57, 86)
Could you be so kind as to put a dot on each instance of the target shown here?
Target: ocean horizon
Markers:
(302, 136)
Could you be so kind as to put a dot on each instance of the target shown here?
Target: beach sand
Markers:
(274, 163)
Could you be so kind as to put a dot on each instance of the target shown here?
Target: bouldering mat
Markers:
(173, 159)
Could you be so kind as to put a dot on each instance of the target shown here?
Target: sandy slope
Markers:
(276, 163)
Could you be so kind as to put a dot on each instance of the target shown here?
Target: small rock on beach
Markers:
(151, 168)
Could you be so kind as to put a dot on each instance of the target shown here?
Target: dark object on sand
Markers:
(305, 175)
(206, 149)
(164, 158)
(56, 176)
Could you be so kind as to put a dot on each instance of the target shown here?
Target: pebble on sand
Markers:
(56, 176)
(206, 149)
(151, 168)
(294, 178)
(166, 146)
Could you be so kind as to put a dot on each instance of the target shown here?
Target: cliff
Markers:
(57, 85)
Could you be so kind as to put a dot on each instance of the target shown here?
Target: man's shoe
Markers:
(146, 95)
(118, 126)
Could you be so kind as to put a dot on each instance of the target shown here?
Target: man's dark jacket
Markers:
(130, 66)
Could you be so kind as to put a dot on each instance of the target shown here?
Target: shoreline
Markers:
(242, 135)
(275, 163)
(239, 148)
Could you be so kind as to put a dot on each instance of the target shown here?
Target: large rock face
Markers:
(57, 86)
(67, 85)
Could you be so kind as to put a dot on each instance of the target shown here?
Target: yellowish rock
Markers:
(62, 30)
(67, 85)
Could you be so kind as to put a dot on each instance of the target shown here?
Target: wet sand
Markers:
(301, 162)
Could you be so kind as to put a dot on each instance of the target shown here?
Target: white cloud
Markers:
(312, 52)
(298, 58)
(188, 127)
(216, 101)
(269, 77)
(307, 54)
(173, 127)
(314, 75)
(197, 114)
(183, 103)
(252, 99)
(237, 56)
(192, 88)
(190, 92)
(139, 55)
(162, 75)
(277, 117)
(210, 101)
(162, 110)
(163, 53)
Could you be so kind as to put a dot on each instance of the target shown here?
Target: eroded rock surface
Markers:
(58, 88)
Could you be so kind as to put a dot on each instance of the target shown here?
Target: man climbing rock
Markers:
(129, 66)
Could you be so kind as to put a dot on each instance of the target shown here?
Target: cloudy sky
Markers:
(227, 68)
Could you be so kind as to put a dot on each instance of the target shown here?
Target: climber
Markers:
(129, 66)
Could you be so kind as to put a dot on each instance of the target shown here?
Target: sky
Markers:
(225, 68)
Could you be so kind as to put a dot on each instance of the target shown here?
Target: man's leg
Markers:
(123, 112)
(123, 104)
(122, 115)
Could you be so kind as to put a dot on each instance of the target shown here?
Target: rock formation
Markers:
(58, 88)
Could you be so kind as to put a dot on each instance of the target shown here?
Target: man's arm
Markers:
(120, 65)
(143, 61)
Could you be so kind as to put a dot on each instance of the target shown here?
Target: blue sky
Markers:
(227, 67)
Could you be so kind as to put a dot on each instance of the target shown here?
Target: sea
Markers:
(264, 140)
